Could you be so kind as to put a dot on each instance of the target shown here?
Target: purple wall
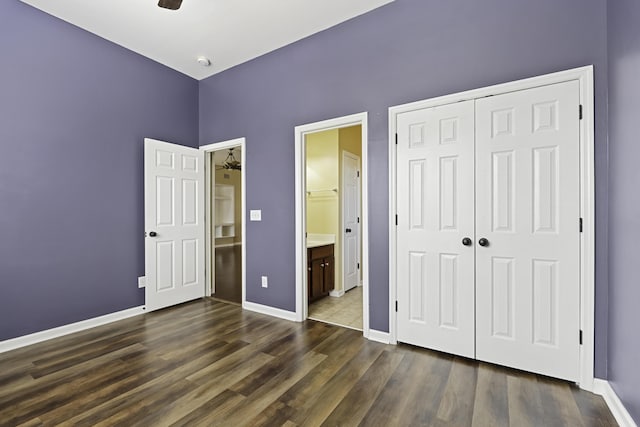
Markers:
(406, 51)
(624, 202)
(74, 110)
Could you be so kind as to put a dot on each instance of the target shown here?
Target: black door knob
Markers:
(153, 234)
(348, 230)
(467, 241)
(483, 242)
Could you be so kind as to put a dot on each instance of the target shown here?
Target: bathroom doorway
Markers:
(333, 206)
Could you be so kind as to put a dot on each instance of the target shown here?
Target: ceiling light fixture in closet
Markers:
(230, 163)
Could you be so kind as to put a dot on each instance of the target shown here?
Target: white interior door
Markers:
(435, 199)
(527, 180)
(350, 220)
(174, 223)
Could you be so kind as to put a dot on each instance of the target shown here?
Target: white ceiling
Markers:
(228, 32)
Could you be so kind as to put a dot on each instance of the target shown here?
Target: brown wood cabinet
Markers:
(320, 271)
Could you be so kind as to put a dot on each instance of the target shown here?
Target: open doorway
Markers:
(225, 224)
(333, 208)
(333, 220)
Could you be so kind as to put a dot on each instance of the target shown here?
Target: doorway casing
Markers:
(584, 76)
(209, 176)
(301, 215)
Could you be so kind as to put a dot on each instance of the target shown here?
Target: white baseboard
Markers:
(270, 311)
(337, 294)
(622, 416)
(378, 336)
(71, 328)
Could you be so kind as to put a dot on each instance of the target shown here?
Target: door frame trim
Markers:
(300, 191)
(344, 154)
(584, 76)
(209, 262)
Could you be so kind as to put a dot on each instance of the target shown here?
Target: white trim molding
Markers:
(622, 416)
(71, 328)
(209, 262)
(270, 311)
(378, 336)
(584, 76)
(300, 187)
(336, 294)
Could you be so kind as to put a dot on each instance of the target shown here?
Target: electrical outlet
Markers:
(265, 282)
(142, 281)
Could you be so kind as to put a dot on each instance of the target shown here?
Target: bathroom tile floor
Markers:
(344, 311)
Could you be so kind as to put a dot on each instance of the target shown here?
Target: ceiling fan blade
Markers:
(170, 4)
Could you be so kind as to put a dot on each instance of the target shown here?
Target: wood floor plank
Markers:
(276, 414)
(456, 407)
(203, 394)
(354, 407)
(394, 404)
(225, 363)
(167, 374)
(271, 390)
(20, 408)
(490, 406)
(315, 411)
(31, 391)
(593, 409)
(430, 391)
(209, 413)
(92, 397)
(307, 337)
(340, 348)
(523, 398)
(32, 423)
(210, 363)
(137, 411)
(560, 408)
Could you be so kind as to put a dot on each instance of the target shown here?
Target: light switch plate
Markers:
(265, 282)
(255, 215)
(142, 281)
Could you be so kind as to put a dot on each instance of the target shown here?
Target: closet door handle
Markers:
(483, 242)
(467, 241)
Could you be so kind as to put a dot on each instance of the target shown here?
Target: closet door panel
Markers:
(528, 209)
(435, 213)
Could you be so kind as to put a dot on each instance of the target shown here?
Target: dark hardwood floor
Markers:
(210, 363)
(228, 267)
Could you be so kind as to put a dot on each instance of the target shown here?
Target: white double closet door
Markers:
(488, 245)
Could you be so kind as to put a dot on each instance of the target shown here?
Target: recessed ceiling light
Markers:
(204, 61)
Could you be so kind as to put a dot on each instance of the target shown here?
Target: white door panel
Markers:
(350, 219)
(528, 208)
(435, 213)
(174, 212)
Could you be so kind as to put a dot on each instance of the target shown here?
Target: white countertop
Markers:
(316, 240)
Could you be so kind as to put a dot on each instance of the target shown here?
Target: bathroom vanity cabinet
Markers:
(320, 271)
